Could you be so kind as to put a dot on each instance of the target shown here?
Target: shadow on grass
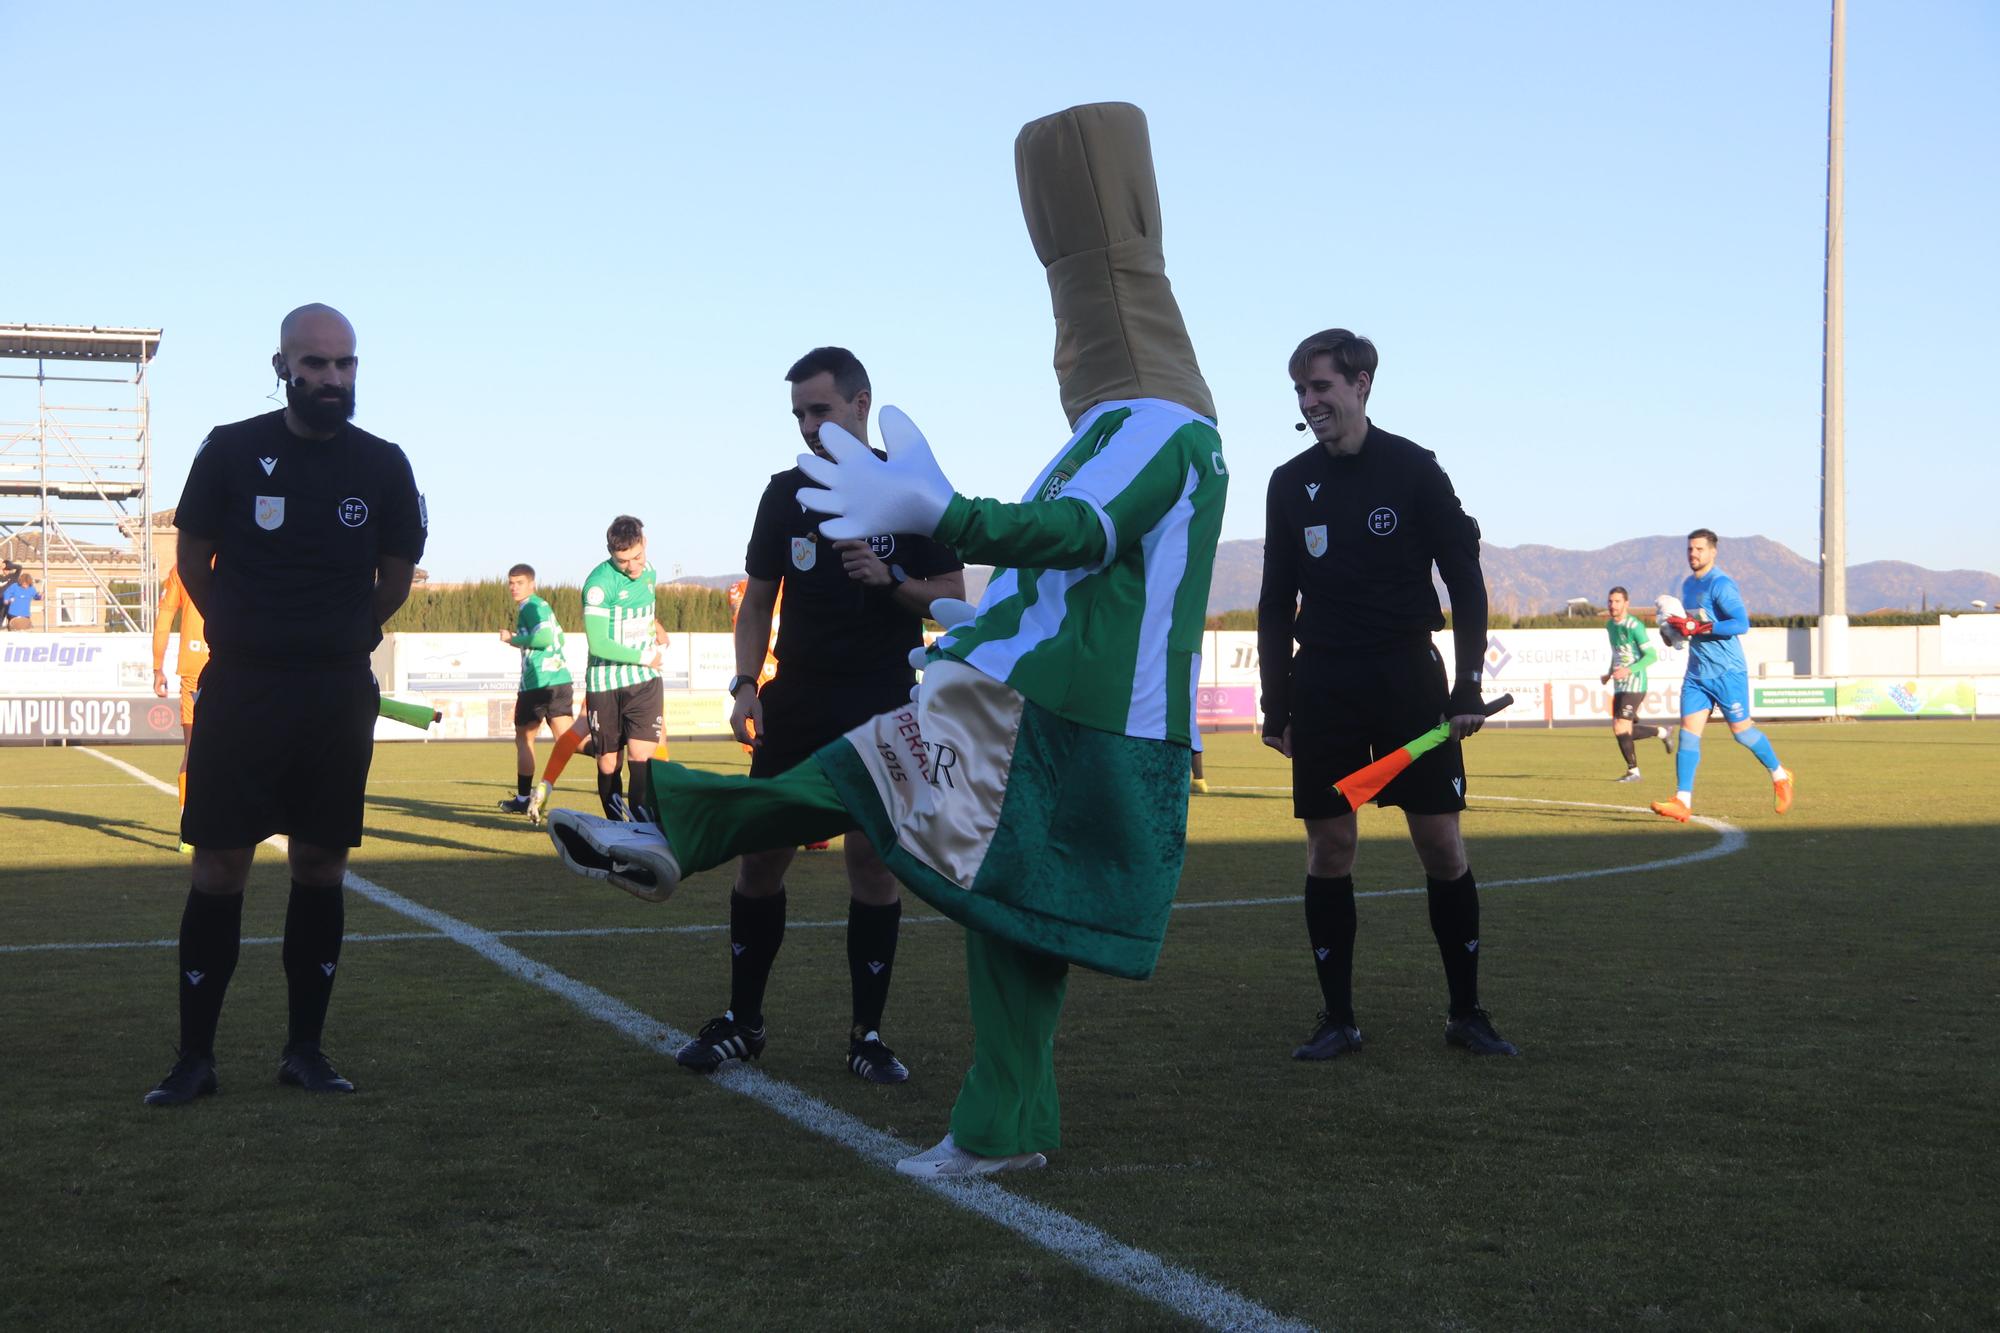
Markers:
(439, 813)
(111, 828)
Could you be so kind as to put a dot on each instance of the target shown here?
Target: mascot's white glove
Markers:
(949, 612)
(1668, 608)
(905, 493)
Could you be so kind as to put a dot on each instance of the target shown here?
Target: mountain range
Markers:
(1537, 580)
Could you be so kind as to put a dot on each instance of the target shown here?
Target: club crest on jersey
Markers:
(882, 547)
(1316, 540)
(353, 511)
(1055, 486)
(1382, 522)
(270, 512)
(805, 551)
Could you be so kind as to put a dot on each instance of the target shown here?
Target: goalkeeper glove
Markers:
(1689, 627)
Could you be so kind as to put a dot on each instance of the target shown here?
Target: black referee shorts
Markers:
(1349, 710)
(630, 713)
(802, 712)
(279, 751)
(534, 707)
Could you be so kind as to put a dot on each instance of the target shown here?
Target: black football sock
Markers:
(1454, 905)
(871, 957)
(523, 781)
(639, 791)
(211, 937)
(315, 924)
(607, 787)
(756, 933)
(1631, 754)
(1330, 927)
(1645, 731)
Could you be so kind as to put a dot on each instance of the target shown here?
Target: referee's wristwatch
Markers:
(898, 576)
(738, 682)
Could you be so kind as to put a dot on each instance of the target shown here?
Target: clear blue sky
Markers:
(582, 243)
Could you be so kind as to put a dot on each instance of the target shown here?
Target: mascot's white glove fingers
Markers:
(951, 612)
(903, 493)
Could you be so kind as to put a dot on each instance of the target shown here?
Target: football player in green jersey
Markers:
(545, 693)
(1631, 653)
(622, 678)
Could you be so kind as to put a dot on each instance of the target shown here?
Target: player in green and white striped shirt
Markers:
(545, 693)
(622, 679)
(1631, 653)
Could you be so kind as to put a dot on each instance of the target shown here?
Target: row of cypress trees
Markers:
(485, 608)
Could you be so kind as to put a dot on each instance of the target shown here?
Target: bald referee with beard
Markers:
(314, 528)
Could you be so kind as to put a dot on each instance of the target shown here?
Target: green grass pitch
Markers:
(1758, 1090)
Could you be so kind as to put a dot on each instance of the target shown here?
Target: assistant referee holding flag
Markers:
(314, 528)
(1352, 528)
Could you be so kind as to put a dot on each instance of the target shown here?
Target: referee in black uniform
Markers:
(1352, 527)
(315, 528)
(852, 612)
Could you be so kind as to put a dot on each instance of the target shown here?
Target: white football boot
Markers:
(634, 857)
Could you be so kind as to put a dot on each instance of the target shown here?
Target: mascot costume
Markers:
(1035, 790)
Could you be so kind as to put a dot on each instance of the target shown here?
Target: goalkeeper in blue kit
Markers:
(1711, 620)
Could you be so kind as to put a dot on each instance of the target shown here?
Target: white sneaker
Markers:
(538, 801)
(1631, 775)
(948, 1159)
(635, 857)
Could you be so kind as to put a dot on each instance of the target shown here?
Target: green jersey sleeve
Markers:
(535, 625)
(599, 629)
(1063, 535)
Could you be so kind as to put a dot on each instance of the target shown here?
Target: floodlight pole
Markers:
(1833, 469)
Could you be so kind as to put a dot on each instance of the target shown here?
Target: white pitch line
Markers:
(1177, 1289)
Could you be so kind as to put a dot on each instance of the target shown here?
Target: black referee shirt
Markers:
(831, 624)
(299, 526)
(1350, 542)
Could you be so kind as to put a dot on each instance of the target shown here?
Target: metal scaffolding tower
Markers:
(76, 481)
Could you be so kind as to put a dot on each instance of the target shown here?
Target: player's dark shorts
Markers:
(803, 711)
(1626, 703)
(1349, 710)
(534, 707)
(279, 751)
(631, 713)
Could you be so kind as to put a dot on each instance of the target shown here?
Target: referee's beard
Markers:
(322, 409)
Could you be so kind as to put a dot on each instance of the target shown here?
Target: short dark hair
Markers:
(850, 377)
(529, 570)
(1706, 535)
(1351, 354)
(1619, 592)
(625, 532)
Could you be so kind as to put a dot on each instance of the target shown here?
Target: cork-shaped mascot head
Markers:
(1093, 210)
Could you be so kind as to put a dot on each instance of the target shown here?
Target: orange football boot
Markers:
(1673, 810)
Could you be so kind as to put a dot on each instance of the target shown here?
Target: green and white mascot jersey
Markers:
(1036, 789)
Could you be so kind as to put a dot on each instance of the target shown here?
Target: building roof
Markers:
(78, 342)
(25, 548)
